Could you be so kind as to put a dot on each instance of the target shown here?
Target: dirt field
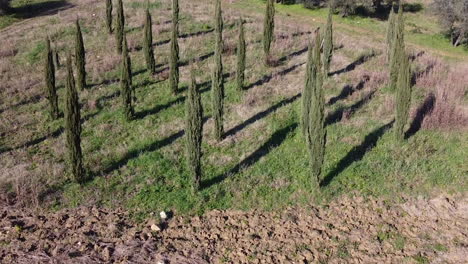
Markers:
(351, 231)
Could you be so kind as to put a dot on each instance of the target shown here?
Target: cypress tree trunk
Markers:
(311, 81)
(403, 97)
(148, 44)
(126, 82)
(109, 15)
(217, 81)
(80, 57)
(390, 31)
(193, 132)
(49, 71)
(268, 28)
(240, 72)
(328, 44)
(397, 49)
(316, 130)
(174, 57)
(120, 26)
(56, 57)
(73, 126)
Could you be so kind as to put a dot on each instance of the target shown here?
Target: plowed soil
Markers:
(353, 230)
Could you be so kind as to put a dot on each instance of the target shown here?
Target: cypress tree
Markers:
(120, 26)
(311, 81)
(148, 44)
(268, 27)
(56, 57)
(328, 43)
(397, 49)
(80, 57)
(49, 71)
(174, 57)
(193, 131)
(109, 15)
(403, 97)
(316, 129)
(126, 82)
(240, 73)
(217, 81)
(390, 31)
(73, 125)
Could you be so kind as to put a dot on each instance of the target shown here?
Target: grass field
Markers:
(263, 161)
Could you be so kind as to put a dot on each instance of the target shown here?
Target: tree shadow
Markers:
(292, 55)
(382, 12)
(273, 142)
(349, 90)
(268, 77)
(357, 153)
(133, 154)
(416, 75)
(32, 100)
(423, 110)
(261, 115)
(361, 60)
(338, 114)
(41, 9)
(54, 134)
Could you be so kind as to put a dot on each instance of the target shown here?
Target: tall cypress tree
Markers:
(240, 72)
(73, 125)
(49, 71)
(397, 49)
(120, 26)
(217, 81)
(403, 97)
(194, 131)
(268, 27)
(328, 43)
(316, 130)
(174, 57)
(80, 57)
(109, 15)
(56, 57)
(390, 31)
(311, 81)
(148, 44)
(126, 82)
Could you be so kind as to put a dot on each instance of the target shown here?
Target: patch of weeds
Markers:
(441, 248)
(421, 259)
(399, 242)
(35, 54)
(143, 5)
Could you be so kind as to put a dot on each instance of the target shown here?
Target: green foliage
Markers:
(73, 126)
(109, 15)
(268, 27)
(390, 31)
(49, 79)
(310, 78)
(403, 97)
(148, 44)
(217, 81)
(174, 57)
(328, 43)
(193, 132)
(397, 49)
(241, 54)
(80, 57)
(126, 82)
(120, 26)
(316, 136)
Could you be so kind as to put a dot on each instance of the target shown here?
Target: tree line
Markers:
(312, 118)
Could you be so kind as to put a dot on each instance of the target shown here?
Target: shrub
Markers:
(49, 71)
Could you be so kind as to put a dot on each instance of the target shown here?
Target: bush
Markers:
(453, 17)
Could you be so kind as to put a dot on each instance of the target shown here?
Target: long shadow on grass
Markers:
(361, 60)
(149, 148)
(268, 77)
(348, 90)
(273, 142)
(347, 111)
(32, 100)
(41, 9)
(423, 110)
(357, 153)
(261, 115)
(54, 134)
